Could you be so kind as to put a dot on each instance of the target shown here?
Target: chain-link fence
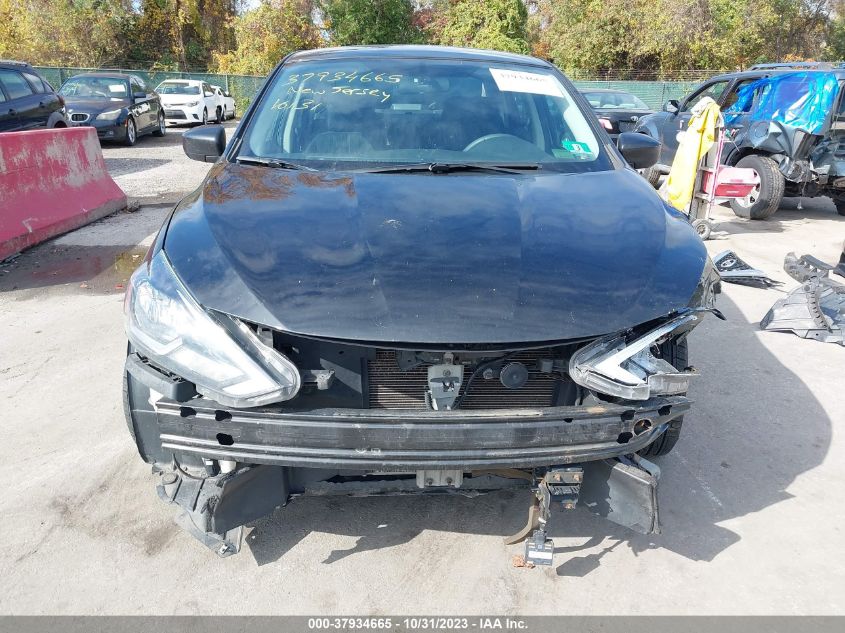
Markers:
(244, 87)
(653, 93)
(241, 87)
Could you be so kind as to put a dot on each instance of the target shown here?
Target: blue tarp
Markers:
(801, 100)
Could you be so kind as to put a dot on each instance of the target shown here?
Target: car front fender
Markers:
(652, 124)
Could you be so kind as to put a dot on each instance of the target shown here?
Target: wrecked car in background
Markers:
(414, 269)
(787, 125)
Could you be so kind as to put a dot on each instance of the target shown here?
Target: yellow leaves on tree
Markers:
(266, 34)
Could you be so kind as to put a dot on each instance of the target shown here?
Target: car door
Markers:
(739, 121)
(674, 124)
(154, 100)
(141, 108)
(218, 95)
(48, 101)
(23, 101)
(8, 115)
(210, 100)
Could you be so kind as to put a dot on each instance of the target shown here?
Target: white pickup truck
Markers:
(228, 102)
(190, 101)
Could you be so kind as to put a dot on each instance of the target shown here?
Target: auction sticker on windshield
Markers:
(519, 81)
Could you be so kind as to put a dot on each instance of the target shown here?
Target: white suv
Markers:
(190, 101)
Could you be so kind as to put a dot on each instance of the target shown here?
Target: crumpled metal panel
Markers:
(799, 100)
(816, 309)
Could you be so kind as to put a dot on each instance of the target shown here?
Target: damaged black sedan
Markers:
(414, 269)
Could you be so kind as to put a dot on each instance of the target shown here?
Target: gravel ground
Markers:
(156, 170)
(752, 502)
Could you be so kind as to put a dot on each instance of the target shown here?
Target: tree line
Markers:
(658, 37)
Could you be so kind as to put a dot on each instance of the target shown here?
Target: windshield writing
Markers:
(364, 112)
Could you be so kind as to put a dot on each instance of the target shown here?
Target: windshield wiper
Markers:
(448, 168)
(271, 162)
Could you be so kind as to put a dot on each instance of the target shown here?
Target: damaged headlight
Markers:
(226, 361)
(628, 369)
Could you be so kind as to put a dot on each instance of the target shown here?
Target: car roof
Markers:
(15, 63)
(418, 51)
(182, 81)
(767, 72)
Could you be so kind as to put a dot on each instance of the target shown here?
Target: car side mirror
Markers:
(671, 106)
(205, 143)
(139, 96)
(639, 150)
(209, 94)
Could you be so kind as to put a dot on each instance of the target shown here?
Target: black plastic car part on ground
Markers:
(789, 161)
(27, 101)
(410, 264)
(121, 107)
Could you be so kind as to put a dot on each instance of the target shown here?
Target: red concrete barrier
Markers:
(51, 182)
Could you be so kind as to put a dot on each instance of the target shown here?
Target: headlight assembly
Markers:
(628, 369)
(111, 115)
(224, 358)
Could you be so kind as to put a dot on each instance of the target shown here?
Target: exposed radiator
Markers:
(392, 388)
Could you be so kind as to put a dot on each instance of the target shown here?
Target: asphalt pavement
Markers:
(155, 170)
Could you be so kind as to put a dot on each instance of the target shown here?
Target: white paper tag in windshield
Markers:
(519, 81)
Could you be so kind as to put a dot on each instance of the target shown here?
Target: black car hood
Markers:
(92, 106)
(423, 258)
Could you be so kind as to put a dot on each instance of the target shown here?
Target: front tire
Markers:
(204, 116)
(840, 205)
(765, 199)
(677, 355)
(131, 133)
(161, 130)
(218, 118)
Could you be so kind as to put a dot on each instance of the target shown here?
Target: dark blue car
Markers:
(411, 268)
(120, 106)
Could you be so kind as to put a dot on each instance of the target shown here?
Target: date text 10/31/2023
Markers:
(418, 623)
(302, 97)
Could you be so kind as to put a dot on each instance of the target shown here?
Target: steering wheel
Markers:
(489, 137)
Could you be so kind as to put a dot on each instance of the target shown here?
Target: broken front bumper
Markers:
(395, 440)
(282, 453)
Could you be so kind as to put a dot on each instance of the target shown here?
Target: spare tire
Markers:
(652, 174)
(761, 203)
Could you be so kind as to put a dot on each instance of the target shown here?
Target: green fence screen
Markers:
(244, 87)
(241, 87)
(653, 93)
